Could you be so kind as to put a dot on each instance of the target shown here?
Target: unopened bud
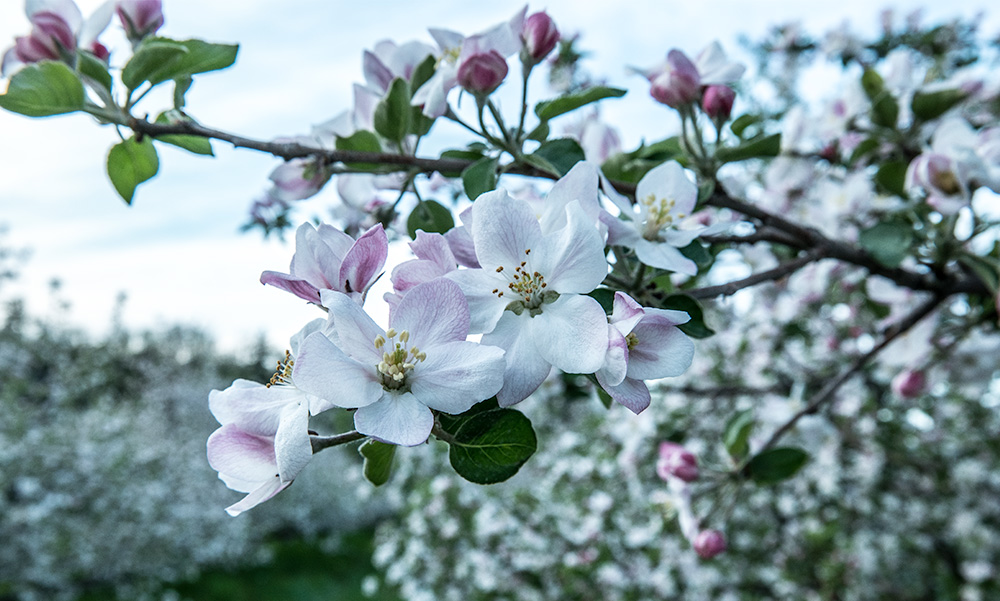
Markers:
(482, 73)
(709, 543)
(679, 85)
(909, 383)
(140, 18)
(717, 102)
(677, 462)
(540, 37)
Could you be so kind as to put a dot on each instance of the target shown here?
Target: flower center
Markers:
(631, 340)
(947, 182)
(525, 288)
(659, 214)
(283, 372)
(398, 359)
(449, 55)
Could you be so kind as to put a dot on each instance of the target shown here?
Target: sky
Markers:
(177, 252)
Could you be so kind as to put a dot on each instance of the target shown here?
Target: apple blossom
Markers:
(644, 344)
(58, 29)
(717, 102)
(328, 259)
(540, 37)
(709, 543)
(396, 377)
(482, 73)
(140, 18)
(528, 297)
(909, 383)
(676, 462)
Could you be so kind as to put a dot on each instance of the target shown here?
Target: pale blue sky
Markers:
(177, 252)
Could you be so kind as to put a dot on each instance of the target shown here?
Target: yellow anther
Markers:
(390, 333)
(404, 336)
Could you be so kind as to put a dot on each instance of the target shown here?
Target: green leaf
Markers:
(987, 269)
(392, 115)
(741, 123)
(480, 177)
(605, 296)
(43, 89)
(451, 423)
(429, 216)
(885, 109)
(195, 144)
(420, 123)
(695, 328)
(737, 434)
(201, 57)
(559, 155)
(152, 57)
(765, 146)
(697, 252)
(889, 242)
(130, 163)
(378, 461)
(90, 66)
(865, 147)
(491, 447)
(774, 465)
(570, 102)
(361, 141)
(181, 86)
(891, 177)
(931, 105)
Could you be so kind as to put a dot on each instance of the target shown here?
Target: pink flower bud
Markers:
(909, 383)
(717, 102)
(482, 73)
(540, 37)
(709, 543)
(53, 29)
(676, 461)
(140, 18)
(679, 84)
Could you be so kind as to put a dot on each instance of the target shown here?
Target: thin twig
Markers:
(758, 278)
(322, 442)
(827, 393)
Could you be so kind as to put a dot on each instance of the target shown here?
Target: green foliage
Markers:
(131, 163)
(557, 156)
(361, 141)
(198, 57)
(195, 144)
(931, 105)
(42, 90)
(889, 242)
(891, 177)
(480, 177)
(378, 460)
(151, 58)
(629, 167)
(775, 465)
(393, 113)
(885, 108)
(696, 328)
(490, 446)
(760, 147)
(90, 66)
(429, 216)
(550, 109)
(736, 436)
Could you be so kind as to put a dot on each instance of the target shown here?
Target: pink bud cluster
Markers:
(706, 81)
(679, 467)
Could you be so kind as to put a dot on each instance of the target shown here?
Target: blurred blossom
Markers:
(909, 384)
(717, 102)
(58, 29)
(676, 461)
(709, 543)
(540, 37)
(140, 18)
(480, 74)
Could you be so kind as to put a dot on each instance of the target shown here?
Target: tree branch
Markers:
(758, 278)
(827, 393)
(322, 442)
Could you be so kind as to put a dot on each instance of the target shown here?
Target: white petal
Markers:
(240, 455)
(615, 361)
(525, 368)
(485, 307)
(572, 259)
(254, 408)
(572, 334)
(458, 375)
(292, 447)
(434, 312)
(626, 313)
(397, 419)
(323, 370)
(662, 350)
(579, 184)
(356, 332)
(664, 256)
(669, 181)
(262, 493)
(630, 393)
(503, 228)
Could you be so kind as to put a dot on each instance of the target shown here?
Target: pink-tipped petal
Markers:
(434, 313)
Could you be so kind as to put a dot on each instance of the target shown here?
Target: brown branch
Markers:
(758, 278)
(826, 394)
(323, 442)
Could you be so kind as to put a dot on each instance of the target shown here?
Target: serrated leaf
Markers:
(431, 217)
(891, 177)
(378, 461)
(43, 89)
(130, 163)
(361, 141)
(889, 242)
(736, 436)
(90, 66)
(766, 146)
(492, 446)
(152, 57)
(931, 105)
(560, 154)
(774, 465)
(480, 177)
(392, 115)
(695, 328)
(201, 57)
(570, 102)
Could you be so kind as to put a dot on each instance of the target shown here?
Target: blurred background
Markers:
(118, 321)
